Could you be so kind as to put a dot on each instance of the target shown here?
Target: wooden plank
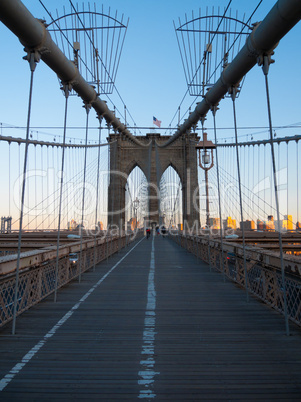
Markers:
(209, 344)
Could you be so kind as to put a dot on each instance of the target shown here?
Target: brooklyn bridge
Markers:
(158, 262)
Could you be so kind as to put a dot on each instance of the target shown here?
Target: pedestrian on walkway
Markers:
(148, 232)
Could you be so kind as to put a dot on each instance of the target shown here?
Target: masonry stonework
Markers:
(153, 159)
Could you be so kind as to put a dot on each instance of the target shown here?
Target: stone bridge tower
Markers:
(153, 159)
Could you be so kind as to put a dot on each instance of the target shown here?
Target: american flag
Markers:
(157, 122)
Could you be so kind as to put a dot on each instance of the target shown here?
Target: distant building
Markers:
(247, 225)
(279, 226)
(214, 223)
(229, 223)
(132, 224)
(298, 226)
(6, 224)
(285, 224)
(260, 225)
(288, 222)
(72, 225)
(270, 224)
(100, 225)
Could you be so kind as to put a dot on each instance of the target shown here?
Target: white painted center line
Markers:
(147, 372)
(19, 366)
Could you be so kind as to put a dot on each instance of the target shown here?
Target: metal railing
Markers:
(36, 283)
(263, 279)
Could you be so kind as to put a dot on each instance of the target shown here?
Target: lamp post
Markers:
(136, 206)
(206, 163)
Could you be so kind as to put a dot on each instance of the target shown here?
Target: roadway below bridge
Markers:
(38, 240)
(269, 240)
(152, 323)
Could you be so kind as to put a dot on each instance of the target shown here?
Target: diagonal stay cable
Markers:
(107, 72)
(237, 37)
(226, 9)
(61, 31)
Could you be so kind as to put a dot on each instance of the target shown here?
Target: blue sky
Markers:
(150, 78)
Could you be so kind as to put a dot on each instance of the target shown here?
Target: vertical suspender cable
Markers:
(87, 107)
(233, 96)
(32, 64)
(28, 188)
(214, 109)
(42, 184)
(35, 185)
(245, 170)
(119, 197)
(108, 207)
(169, 195)
(66, 188)
(54, 184)
(207, 201)
(258, 182)
(248, 182)
(19, 170)
(265, 69)
(297, 226)
(264, 183)
(271, 188)
(9, 196)
(287, 192)
(232, 200)
(258, 178)
(66, 90)
(253, 177)
(48, 186)
(279, 144)
(97, 192)
(113, 181)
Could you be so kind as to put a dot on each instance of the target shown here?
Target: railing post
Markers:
(107, 245)
(265, 67)
(209, 251)
(233, 92)
(214, 109)
(66, 88)
(33, 58)
(87, 107)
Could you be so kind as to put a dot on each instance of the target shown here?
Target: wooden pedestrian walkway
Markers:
(152, 323)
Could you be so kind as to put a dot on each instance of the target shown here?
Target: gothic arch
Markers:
(136, 197)
(175, 168)
(171, 197)
(132, 165)
(153, 159)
